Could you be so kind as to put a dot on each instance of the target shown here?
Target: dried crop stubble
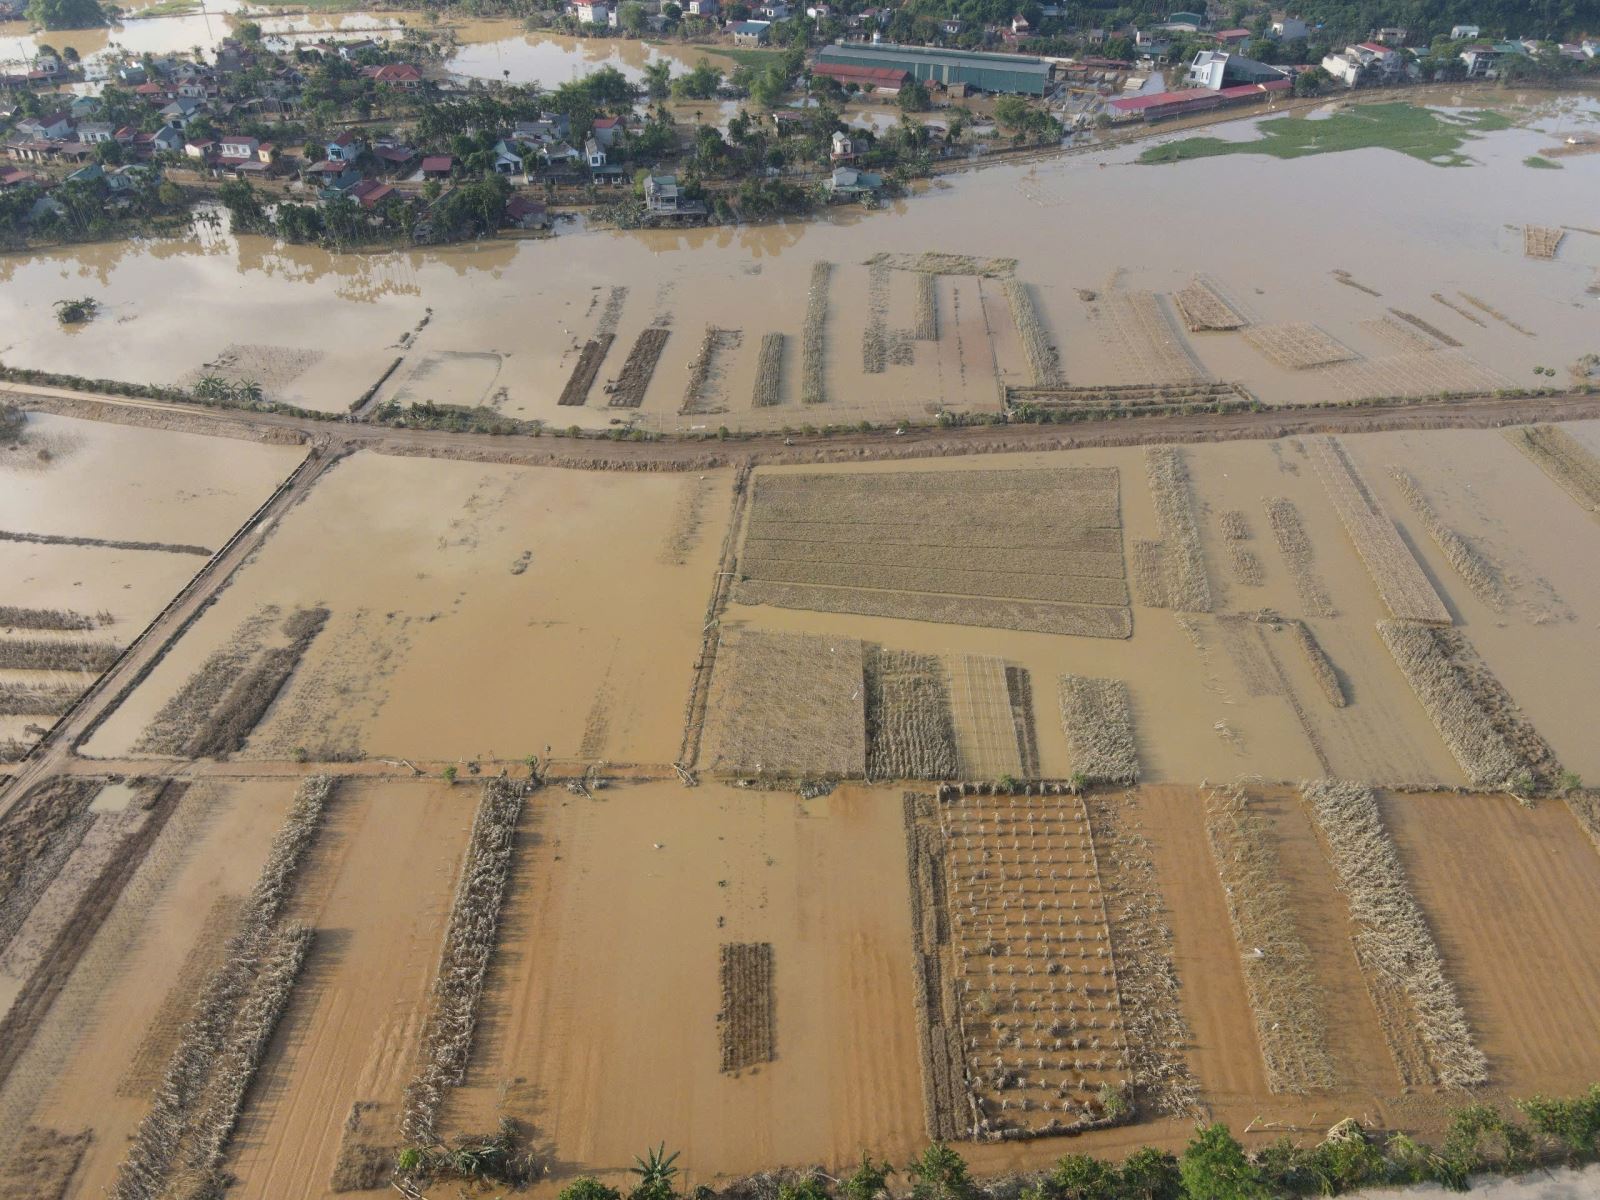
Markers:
(951, 581)
(989, 742)
(934, 262)
(946, 1107)
(875, 333)
(639, 367)
(1291, 1027)
(176, 720)
(936, 555)
(1142, 942)
(1433, 331)
(814, 337)
(184, 1135)
(37, 836)
(1043, 359)
(1541, 241)
(1236, 532)
(1298, 552)
(1297, 345)
(910, 730)
(1485, 306)
(1157, 353)
(769, 372)
(1564, 459)
(700, 393)
(1477, 719)
(1039, 985)
(1099, 723)
(469, 944)
(1085, 546)
(1402, 585)
(37, 699)
(1182, 562)
(226, 727)
(48, 654)
(1393, 941)
(1322, 669)
(745, 1024)
(41, 1163)
(926, 326)
(12, 617)
(1414, 375)
(788, 705)
(1458, 310)
(366, 1159)
(1019, 688)
(575, 392)
(1202, 307)
(1470, 563)
(1067, 620)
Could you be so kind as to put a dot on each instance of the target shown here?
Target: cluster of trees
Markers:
(472, 209)
(66, 14)
(80, 212)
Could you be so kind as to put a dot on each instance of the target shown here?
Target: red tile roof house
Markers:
(437, 166)
(370, 193)
(400, 75)
(606, 130)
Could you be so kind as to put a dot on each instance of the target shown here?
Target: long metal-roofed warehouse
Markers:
(986, 72)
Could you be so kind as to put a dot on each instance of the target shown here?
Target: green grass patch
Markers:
(743, 56)
(1543, 164)
(165, 8)
(1422, 133)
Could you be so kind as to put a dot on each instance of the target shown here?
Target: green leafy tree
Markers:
(914, 97)
(66, 14)
(1214, 1167)
(586, 1187)
(1151, 1174)
(940, 1173)
(809, 1188)
(658, 79)
(1572, 1124)
(868, 1181)
(1082, 1177)
(699, 83)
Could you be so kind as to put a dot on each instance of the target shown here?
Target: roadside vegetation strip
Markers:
(196, 1105)
(1480, 574)
(1291, 1027)
(1295, 546)
(1043, 359)
(639, 368)
(1392, 935)
(1479, 722)
(769, 372)
(469, 944)
(909, 720)
(575, 392)
(1322, 669)
(1099, 725)
(1182, 561)
(48, 654)
(814, 337)
(1401, 583)
(55, 619)
(1568, 462)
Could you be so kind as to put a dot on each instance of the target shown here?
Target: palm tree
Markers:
(656, 1173)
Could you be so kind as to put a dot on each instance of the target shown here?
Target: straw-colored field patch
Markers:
(787, 704)
(1471, 563)
(1172, 572)
(1413, 374)
(1541, 241)
(1202, 307)
(1297, 345)
(1144, 338)
(909, 727)
(745, 1025)
(1043, 359)
(814, 337)
(989, 741)
(1043, 546)
(1289, 531)
(1099, 725)
(1573, 467)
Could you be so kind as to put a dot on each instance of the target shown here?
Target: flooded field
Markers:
(1431, 295)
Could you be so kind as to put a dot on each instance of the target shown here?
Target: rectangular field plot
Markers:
(1035, 549)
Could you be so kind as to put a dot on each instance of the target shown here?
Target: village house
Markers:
(607, 130)
(369, 193)
(847, 183)
(1480, 61)
(1368, 62)
(844, 148)
(594, 156)
(180, 112)
(1288, 29)
(351, 51)
(438, 166)
(92, 133)
(393, 155)
(507, 159)
(1463, 33)
(592, 12)
(404, 76)
(750, 33)
(46, 128)
(345, 147)
(773, 10)
(1232, 39)
(523, 213)
(704, 8)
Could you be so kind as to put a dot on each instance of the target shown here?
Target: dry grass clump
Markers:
(182, 1139)
(787, 704)
(469, 943)
(1541, 241)
(745, 1023)
(814, 337)
(176, 720)
(1401, 582)
(1235, 533)
(909, 728)
(1202, 307)
(1099, 724)
(1565, 459)
(875, 333)
(1485, 306)
(37, 699)
(1477, 719)
(226, 727)
(934, 262)
(12, 617)
(1392, 936)
(1470, 563)
(769, 372)
(1295, 546)
(1465, 314)
(1043, 359)
(1297, 345)
(1141, 938)
(47, 654)
(1291, 1027)
(1066, 620)
(638, 368)
(1321, 665)
(575, 392)
(41, 1163)
(1182, 565)
(362, 1165)
(953, 581)
(925, 327)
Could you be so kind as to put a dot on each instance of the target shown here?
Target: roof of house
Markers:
(393, 73)
(519, 207)
(1196, 96)
(1229, 34)
(438, 162)
(750, 27)
(607, 122)
(1375, 48)
(346, 137)
(879, 76)
(371, 193)
(394, 154)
